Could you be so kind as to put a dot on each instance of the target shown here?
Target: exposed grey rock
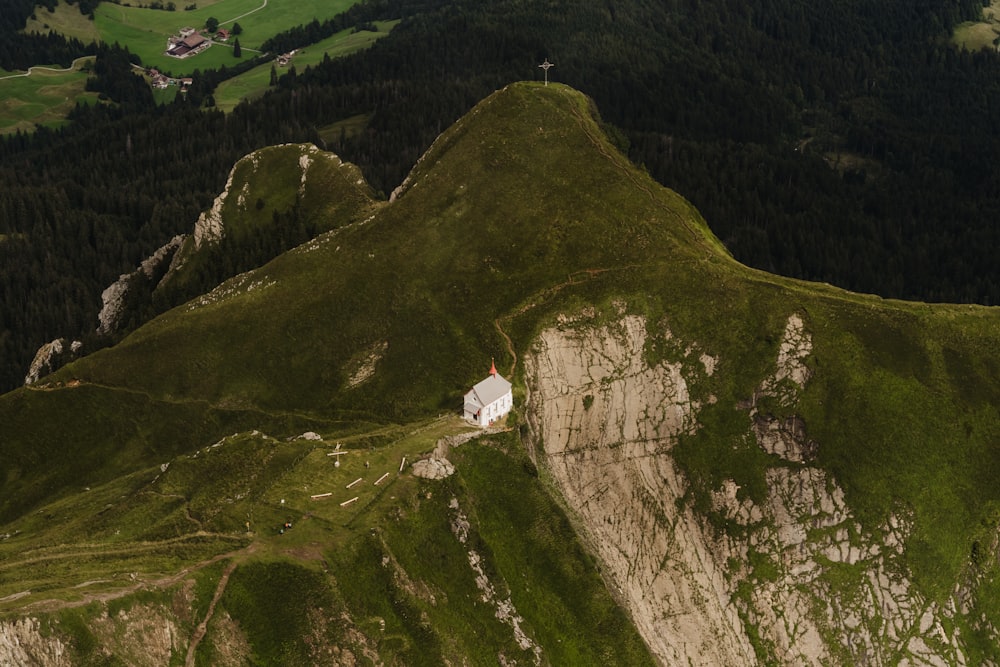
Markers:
(23, 643)
(700, 595)
(113, 297)
(433, 468)
(506, 612)
(51, 356)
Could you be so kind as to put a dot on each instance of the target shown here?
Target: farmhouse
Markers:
(489, 400)
(187, 46)
(222, 35)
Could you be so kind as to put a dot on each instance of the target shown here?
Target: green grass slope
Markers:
(521, 211)
(386, 575)
(276, 198)
(257, 81)
(44, 97)
(483, 228)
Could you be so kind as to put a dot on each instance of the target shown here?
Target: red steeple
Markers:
(493, 367)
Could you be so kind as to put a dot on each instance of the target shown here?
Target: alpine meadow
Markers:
(734, 263)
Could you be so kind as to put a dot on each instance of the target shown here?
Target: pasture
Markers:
(982, 34)
(66, 20)
(256, 82)
(145, 31)
(43, 98)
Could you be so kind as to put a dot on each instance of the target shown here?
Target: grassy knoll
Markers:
(982, 34)
(298, 192)
(192, 507)
(65, 19)
(43, 98)
(388, 564)
(348, 127)
(256, 82)
(145, 31)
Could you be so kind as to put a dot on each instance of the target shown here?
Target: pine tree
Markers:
(237, 51)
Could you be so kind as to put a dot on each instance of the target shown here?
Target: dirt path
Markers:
(71, 68)
(85, 550)
(202, 628)
(575, 278)
(252, 11)
(161, 582)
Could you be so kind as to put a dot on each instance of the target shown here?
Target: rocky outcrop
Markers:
(144, 635)
(794, 580)
(113, 298)
(51, 356)
(433, 468)
(609, 455)
(494, 593)
(209, 227)
(23, 643)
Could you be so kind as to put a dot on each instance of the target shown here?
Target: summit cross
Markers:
(545, 66)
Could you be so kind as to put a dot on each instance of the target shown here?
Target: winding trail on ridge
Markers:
(162, 582)
(202, 628)
(71, 68)
(584, 274)
(575, 278)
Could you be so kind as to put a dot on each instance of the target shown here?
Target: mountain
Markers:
(758, 470)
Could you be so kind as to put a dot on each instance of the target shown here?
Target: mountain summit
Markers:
(765, 470)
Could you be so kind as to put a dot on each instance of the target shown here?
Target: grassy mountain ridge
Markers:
(519, 215)
(455, 250)
(297, 193)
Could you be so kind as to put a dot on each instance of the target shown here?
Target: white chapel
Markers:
(489, 400)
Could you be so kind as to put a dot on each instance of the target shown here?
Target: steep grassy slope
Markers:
(429, 275)
(523, 220)
(413, 571)
(275, 199)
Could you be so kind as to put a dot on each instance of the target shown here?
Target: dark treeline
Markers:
(83, 204)
(742, 107)
(113, 78)
(232, 255)
(845, 142)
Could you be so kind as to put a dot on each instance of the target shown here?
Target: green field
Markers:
(982, 34)
(43, 98)
(66, 20)
(46, 97)
(145, 31)
(255, 82)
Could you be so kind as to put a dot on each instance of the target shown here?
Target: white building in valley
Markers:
(490, 400)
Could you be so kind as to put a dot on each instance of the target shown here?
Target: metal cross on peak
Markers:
(545, 66)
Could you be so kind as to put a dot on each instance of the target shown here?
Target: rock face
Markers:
(50, 357)
(495, 594)
(799, 581)
(433, 468)
(22, 643)
(113, 297)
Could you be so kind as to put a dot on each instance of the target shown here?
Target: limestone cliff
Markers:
(798, 582)
(51, 356)
(113, 298)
